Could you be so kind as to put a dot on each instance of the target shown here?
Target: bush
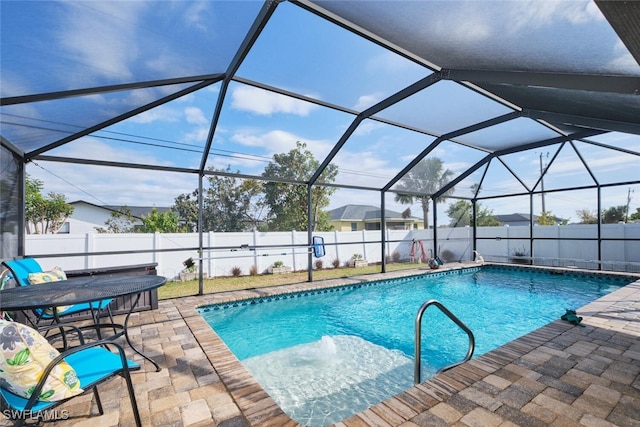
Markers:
(335, 263)
(319, 264)
(236, 272)
(520, 256)
(448, 256)
(253, 271)
(396, 256)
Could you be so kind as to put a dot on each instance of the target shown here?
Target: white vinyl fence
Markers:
(259, 250)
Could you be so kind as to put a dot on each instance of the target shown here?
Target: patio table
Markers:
(82, 290)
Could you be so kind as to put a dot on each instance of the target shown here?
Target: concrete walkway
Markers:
(558, 375)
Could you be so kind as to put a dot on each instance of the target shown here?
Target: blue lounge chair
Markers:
(20, 270)
(93, 364)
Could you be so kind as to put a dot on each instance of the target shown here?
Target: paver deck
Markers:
(558, 375)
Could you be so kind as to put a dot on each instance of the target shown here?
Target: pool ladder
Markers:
(418, 336)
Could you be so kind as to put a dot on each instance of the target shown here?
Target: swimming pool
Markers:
(324, 355)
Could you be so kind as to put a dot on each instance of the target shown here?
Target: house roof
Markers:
(365, 213)
(136, 211)
(521, 217)
(515, 217)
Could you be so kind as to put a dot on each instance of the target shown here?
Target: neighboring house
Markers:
(517, 219)
(363, 217)
(87, 216)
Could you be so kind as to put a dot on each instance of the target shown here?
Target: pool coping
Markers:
(259, 409)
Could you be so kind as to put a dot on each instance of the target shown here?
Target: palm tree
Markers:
(426, 178)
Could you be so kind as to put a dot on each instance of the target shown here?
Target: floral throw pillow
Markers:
(24, 356)
(54, 275)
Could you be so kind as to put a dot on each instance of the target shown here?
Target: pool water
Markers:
(325, 355)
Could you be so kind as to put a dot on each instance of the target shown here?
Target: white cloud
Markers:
(109, 185)
(618, 139)
(622, 59)
(159, 114)
(13, 84)
(366, 101)
(91, 148)
(388, 62)
(474, 28)
(457, 167)
(602, 164)
(193, 14)
(364, 168)
(366, 127)
(479, 23)
(275, 141)
(93, 53)
(195, 115)
(198, 135)
(538, 14)
(272, 142)
(266, 103)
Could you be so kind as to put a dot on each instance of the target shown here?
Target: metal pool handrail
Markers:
(418, 336)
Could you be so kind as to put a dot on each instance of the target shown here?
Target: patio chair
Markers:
(20, 270)
(56, 376)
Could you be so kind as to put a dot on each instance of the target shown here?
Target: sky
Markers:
(102, 43)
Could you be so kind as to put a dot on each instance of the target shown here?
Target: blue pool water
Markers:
(325, 355)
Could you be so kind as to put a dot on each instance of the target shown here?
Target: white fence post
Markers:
(157, 244)
(255, 252)
(364, 245)
(89, 243)
(293, 249)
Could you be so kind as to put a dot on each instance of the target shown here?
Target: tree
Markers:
(229, 204)
(587, 217)
(635, 216)
(121, 221)
(156, 222)
(546, 218)
(44, 214)
(614, 214)
(288, 202)
(425, 178)
(485, 217)
(256, 206)
(461, 215)
(186, 207)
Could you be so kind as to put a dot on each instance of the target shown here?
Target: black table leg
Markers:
(126, 334)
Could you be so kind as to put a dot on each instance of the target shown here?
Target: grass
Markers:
(223, 284)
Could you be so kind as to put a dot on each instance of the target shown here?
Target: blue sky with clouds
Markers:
(116, 42)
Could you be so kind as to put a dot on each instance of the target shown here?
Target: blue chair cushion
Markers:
(77, 308)
(92, 365)
(22, 268)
